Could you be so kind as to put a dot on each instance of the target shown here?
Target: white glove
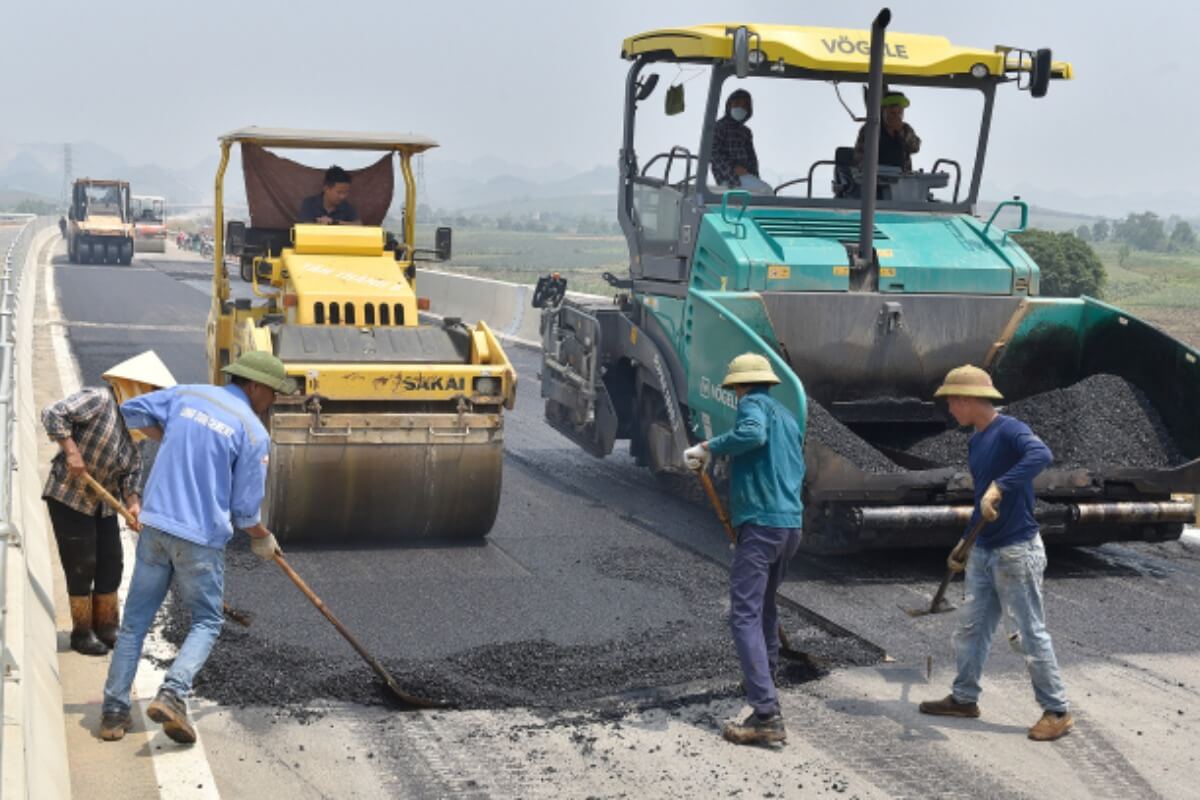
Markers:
(265, 547)
(697, 457)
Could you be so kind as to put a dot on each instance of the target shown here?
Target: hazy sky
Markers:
(537, 82)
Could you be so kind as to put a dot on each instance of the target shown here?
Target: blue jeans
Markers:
(1008, 581)
(759, 566)
(199, 575)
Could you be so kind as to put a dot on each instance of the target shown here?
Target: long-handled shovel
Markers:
(939, 604)
(785, 647)
(372, 662)
(240, 617)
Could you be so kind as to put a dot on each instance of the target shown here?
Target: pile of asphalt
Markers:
(1102, 421)
(824, 428)
(295, 671)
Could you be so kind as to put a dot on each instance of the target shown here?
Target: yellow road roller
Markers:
(398, 434)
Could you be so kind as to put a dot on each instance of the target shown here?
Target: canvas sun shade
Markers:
(275, 187)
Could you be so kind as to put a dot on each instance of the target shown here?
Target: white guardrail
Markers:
(33, 748)
(504, 306)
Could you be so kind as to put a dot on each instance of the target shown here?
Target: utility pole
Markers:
(68, 174)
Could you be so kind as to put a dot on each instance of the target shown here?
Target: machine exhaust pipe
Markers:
(865, 257)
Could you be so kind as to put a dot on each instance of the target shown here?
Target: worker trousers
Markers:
(759, 566)
(1007, 581)
(89, 546)
(198, 574)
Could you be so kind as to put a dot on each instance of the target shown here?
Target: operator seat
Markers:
(844, 184)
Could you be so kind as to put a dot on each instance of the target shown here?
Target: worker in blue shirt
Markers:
(766, 446)
(209, 478)
(1005, 567)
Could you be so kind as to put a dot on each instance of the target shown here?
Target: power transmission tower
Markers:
(68, 175)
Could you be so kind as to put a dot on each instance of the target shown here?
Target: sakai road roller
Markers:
(862, 282)
(99, 222)
(398, 433)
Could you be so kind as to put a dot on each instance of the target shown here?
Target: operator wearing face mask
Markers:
(734, 162)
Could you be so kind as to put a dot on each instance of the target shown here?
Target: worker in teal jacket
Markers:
(766, 448)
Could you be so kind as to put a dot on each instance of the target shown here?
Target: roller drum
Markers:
(383, 477)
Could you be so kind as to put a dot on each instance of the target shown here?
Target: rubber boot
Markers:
(106, 618)
(83, 638)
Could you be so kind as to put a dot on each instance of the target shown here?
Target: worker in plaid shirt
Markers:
(93, 439)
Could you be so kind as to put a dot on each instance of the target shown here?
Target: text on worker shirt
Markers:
(212, 423)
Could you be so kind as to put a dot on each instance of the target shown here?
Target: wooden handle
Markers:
(113, 502)
(711, 491)
(372, 662)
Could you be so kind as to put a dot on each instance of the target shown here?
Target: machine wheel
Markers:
(127, 252)
(83, 252)
(72, 253)
(651, 415)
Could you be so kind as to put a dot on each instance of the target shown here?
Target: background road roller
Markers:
(99, 225)
(398, 433)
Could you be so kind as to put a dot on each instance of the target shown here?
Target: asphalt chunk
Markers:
(1102, 421)
(824, 428)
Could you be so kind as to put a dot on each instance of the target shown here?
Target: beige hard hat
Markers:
(968, 381)
(749, 368)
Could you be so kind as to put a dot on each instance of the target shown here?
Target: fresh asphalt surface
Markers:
(592, 552)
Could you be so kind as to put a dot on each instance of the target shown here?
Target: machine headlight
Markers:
(979, 71)
(487, 386)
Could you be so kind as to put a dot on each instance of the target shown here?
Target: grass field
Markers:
(1163, 288)
(521, 257)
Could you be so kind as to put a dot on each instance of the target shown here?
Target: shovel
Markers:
(939, 604)
(785, 647)
(372, 662)
(240, 617)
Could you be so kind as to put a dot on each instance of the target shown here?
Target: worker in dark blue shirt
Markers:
(329, 206)
(1005, 567)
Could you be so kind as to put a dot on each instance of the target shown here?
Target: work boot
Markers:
(949, 707)
(106, 617)
(83, 638)
(1053, 725)
(113, 725)
(756, 729)
(170, 711)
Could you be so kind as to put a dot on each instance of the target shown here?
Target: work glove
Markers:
(697, 457)
(265, 547)
(957, 561)
(989, 506)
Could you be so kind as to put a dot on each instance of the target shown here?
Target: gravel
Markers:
(1102, 421)
(824, 428)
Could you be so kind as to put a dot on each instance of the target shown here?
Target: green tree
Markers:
(1143, 231)
(1069, 266)
(1123, 255)
(1084, 233)
(1182, 237)
(1100, 230)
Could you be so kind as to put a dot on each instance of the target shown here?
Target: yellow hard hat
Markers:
(968, 381)
(749, 368)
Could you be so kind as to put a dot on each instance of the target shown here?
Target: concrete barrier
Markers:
(35, 746)
(503, 305)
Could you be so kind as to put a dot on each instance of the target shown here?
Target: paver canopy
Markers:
(275, 187)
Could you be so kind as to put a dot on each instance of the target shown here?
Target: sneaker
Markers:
(1052, 726)
(949, 707)
(113, 725)
(756, 730)
(171, 712)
